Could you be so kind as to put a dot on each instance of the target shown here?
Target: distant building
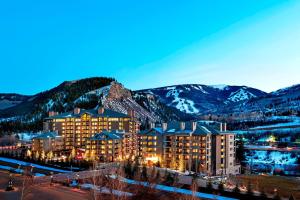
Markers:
(47, 142)
(189, 146)
(78, 126)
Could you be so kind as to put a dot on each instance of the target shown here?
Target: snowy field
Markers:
(174, 189)
(23, 163)
(272, 157)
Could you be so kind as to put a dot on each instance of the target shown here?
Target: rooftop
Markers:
(92, 112)
(182, 128)
(108, 135)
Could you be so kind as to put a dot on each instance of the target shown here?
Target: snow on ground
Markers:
(98, 92)
(5, 167)
(174, 189)
(271, 157)
(105, 190)
(220, 86)
(240, 95)
(39, 175)
(199, 87)
(182, 104)
(18, 162)
(26, 136)
(49, 105)
(295, 121)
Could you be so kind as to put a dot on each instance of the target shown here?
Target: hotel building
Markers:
(189, 146)
(78, 126)
(47, 142)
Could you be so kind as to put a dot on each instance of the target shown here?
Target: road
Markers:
(44, 191)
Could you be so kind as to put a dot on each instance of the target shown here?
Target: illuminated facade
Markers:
(47, 142)
(189, 146)
(78, 126)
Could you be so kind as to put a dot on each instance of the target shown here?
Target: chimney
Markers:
(52, 113)
(225, 127)
(164, 126)
(182, 125)
(76, 111)
(100, 110)
(221, 127)
(194, 126)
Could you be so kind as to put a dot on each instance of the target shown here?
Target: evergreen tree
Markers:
(221, 187)
(236, 189)
(144, 176)
(209, 185)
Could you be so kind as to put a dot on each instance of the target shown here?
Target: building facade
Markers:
(78, 126)
(105, 147)
(47, 142)
(189, 146)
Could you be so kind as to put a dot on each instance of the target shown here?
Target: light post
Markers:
(51, 180)
(10, 186)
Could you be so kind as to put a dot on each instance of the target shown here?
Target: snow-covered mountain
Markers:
(11, 100)
(201, 99)
(285, 101)
(117, 98)
(179, 102)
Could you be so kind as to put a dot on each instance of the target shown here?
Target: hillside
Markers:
(202, 99)
(8, 100)
(179, 102)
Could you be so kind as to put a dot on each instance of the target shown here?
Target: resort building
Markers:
(79, 125)
(105, 146)
(189, 146)
(47, 142)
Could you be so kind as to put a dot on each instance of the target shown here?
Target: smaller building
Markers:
(190, 146)
(47, 142)
(105, 146)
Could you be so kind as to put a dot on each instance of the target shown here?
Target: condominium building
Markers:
(189, 146)
(105, 146)
(79, 125)
(47, 142)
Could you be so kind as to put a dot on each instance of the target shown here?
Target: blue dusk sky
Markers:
(147, 44)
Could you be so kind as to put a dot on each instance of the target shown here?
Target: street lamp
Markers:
(51, 180)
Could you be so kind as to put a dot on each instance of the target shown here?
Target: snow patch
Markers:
(240, 95)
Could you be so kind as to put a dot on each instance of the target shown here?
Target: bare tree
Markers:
(27, 183)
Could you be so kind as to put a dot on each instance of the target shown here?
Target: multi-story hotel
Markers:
(79, 125)
(106, 146)
(189, 146)
(47, 142)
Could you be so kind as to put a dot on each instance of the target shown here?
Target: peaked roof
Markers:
(92, 112)
(174, 128)
(107, 135)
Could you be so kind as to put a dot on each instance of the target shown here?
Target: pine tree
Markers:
(221, 187)
(209, 185)
(236, 189)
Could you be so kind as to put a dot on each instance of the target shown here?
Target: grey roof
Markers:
(106, 135)
(173, 128)
(46, 135)
(92, 112)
